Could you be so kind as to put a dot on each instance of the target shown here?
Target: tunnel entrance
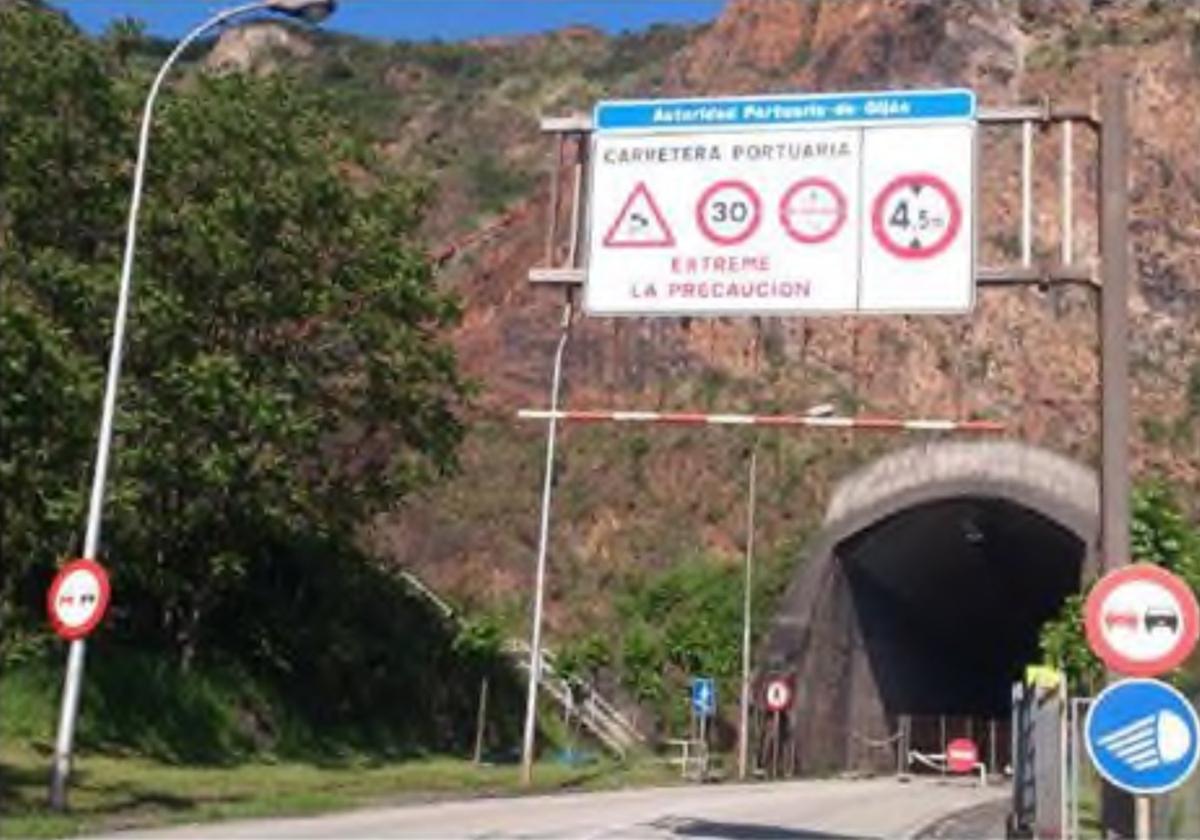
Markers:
(949, 597)
(923, 597)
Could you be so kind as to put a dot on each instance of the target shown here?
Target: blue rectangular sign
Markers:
(899, 106)
(704, 696)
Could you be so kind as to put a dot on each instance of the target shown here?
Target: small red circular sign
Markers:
(813, 210)
(729, 212)
(961, 755)
(916, 216)
(779, 694)
(1141, 620)
(78, 598)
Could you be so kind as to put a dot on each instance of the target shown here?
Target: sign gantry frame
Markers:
(1105, 274)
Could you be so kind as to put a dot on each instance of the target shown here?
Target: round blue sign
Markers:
(1143, 736)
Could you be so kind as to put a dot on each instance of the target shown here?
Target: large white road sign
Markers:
(783, 205)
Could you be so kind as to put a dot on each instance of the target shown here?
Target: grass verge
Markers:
(113, 792)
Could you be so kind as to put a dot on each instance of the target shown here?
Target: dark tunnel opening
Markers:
(950, 596)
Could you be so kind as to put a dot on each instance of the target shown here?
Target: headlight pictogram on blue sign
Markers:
(1143, 736)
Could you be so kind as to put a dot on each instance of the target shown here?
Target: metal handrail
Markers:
(605, 721)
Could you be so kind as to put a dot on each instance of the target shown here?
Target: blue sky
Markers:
(417, 19)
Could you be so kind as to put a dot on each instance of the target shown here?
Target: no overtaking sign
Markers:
(807, 204)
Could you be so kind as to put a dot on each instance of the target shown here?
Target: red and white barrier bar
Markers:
(677, 418)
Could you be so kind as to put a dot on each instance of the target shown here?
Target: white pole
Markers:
(535, 643)
(1064, 712)
(1027, 193)
(744, 723)
(1073, 831)
(1068, 170)
(1141, 818)
(61, 767)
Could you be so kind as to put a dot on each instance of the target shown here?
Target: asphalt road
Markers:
(826, 808)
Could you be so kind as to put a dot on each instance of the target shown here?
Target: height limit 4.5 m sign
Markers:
(805, 204)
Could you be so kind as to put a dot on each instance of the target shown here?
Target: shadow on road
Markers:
(742, 831)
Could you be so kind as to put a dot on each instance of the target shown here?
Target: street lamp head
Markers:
(313, 11)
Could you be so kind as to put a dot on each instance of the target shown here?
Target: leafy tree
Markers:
(1064, 643)
(686, 621)
(1161, 534)
(285, 374)
(580, 660)
(480, 642)
(60, 160)
(124, 37)
(642, 664)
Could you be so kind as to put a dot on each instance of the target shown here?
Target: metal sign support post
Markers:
(693, 735)
(775, 745)
(535, 644)
(1112, 286)
(552, 232)
(481, 721)
(1114, 353)
(942, 731)
(744, 722)
(1114, 322)
(1074, 712)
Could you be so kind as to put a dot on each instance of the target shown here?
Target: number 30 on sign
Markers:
(729, 212)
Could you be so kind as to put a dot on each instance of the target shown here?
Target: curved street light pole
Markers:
(309, 9)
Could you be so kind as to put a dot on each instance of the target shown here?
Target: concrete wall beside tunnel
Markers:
(925, 589)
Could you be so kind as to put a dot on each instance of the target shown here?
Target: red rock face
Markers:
(813, 45)
(1023, 356)
(751, 38)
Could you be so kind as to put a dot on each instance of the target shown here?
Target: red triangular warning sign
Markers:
(640, 224)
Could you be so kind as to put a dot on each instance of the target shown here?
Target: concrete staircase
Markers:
(578, 698)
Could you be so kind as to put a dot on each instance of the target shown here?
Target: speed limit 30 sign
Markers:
(728, 212)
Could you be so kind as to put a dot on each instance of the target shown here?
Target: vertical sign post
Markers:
(535, 644)
(704, 706)
(778, 695)
(1114, 360)
(744, 721)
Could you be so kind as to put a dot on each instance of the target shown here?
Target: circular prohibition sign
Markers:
(78, 598)
(1142, 620)
(778, 695)
(729, 212)
(813, 210)
(916, 216)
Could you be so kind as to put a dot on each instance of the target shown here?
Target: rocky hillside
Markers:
(641, 499)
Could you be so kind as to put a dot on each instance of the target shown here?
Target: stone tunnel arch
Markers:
(925, 588)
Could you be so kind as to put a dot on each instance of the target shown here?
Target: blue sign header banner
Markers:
(876, 107)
